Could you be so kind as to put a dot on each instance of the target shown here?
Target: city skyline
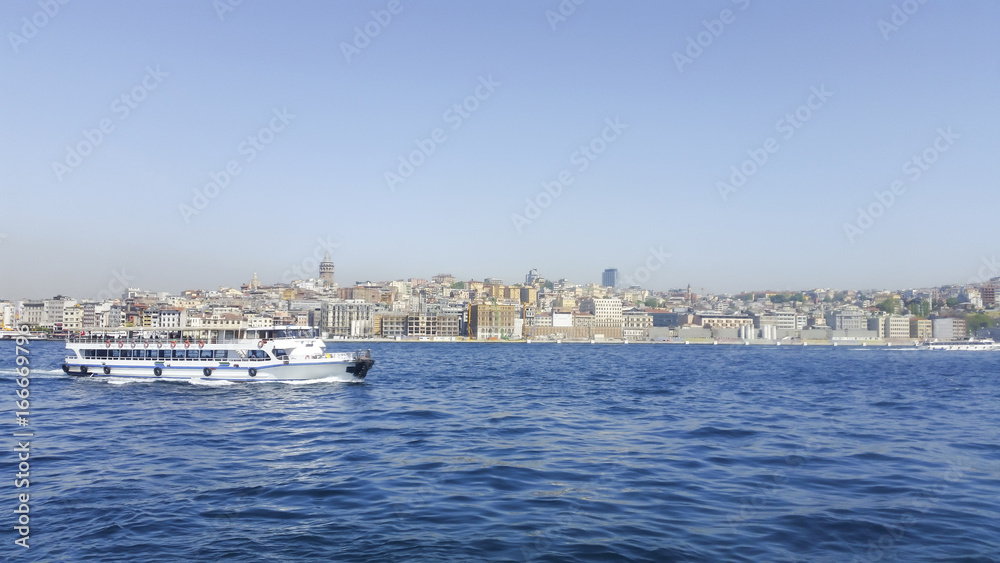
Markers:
(120, 281)
(733, 146)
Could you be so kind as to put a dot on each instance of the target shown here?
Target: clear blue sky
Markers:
(218, 80)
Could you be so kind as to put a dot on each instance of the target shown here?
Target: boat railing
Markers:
(75, 339)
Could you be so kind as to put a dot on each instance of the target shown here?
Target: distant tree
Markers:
(800, 297)
(780, 298)
(840, 296)
(891, 306)
(548, 285)
(652, 302)
(977, 321)
(458, 285)
(919, 307)
(951, 301)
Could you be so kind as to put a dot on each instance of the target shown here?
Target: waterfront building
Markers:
(32, 314)
(922, 329)
(545, 320)
(392, 325)
(948, 328)
(73, 317)
(721, 320)
(782, 320)
(565, 319)
(848, 318)
(877, 325)
(347, 319)
(637, 325)
(7, 315)
(488, 321)
(53, 311)
(897, 326)
(584, 320)
(607, 312)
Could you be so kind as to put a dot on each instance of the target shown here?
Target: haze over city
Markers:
(762, 146)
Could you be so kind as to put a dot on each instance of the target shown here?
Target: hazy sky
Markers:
(115, 113)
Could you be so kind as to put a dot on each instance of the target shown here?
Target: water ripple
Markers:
(528, 453)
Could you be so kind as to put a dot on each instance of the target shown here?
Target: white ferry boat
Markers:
(281, 353)
(973, 344)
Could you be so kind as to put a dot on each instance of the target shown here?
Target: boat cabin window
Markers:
(303, 332)
(221, 354)
(257, 355)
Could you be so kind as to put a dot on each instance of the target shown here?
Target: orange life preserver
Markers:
(187, 343)
(133, 343)
(145, 344)
(121, 343)
(159, 345)
(260, 344)
(201, 343)
(107, 343)
(173, 344)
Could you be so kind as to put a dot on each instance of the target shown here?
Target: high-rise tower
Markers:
(326, 270)
(610, 278)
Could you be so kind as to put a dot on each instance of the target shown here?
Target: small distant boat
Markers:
(281, 353)
(972, 344)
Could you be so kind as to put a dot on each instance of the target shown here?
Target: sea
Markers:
(517, 452)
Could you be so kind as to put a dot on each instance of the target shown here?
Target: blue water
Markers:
(540, 452)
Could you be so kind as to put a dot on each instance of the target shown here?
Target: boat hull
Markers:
(262, 371)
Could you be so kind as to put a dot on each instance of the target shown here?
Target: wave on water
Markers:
(211, 382)
(558, 453)
(331, 379)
